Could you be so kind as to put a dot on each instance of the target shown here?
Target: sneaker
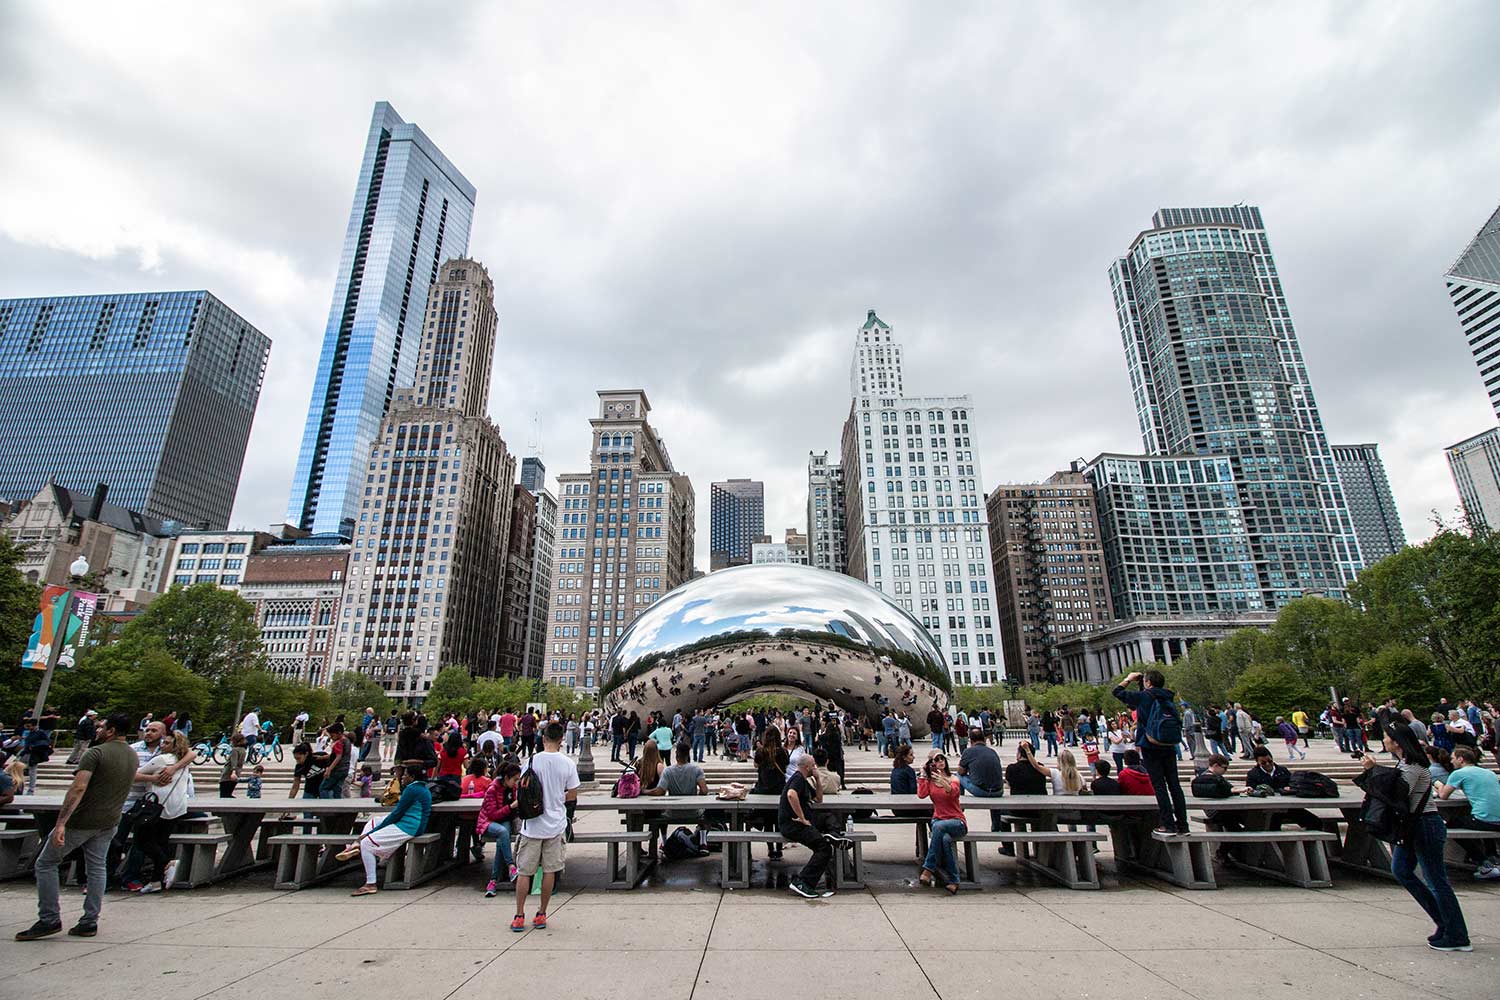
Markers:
(1434, 937)
(489, 890)
(38, 930)
(83, 929)
(837, 839)
(1487, 872)
(170, 875)
(539, 921)
(514, 874)
(1445, 945)
(518, 923)
(802, 890)
(132, 887)
(150, 887)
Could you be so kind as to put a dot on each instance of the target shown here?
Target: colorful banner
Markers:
(66, 612)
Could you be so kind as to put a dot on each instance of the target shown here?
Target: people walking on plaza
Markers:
(229, 774)
(87, 820)
(1290, 736)
(948, 822)
(903, 730)
(83, 735)
(1158, 730)
(794, 821)
(540, 847)
(382, 836)
(34, 751)
(497, 821)
(152, 833)
(1424, 839)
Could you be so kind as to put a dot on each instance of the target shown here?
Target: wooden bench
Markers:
(1065, 856)
(18, 848)
(1295, 856)
(625, 874)
(307, 859)
(197, 857)
(848, 869)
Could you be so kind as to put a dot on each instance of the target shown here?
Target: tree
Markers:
(1271, 689)
(1322, 639)
(135, 675)
(351, 691)
(1212, 667)
(211, 631)
(1406, 673)
(1441, 595)
(278, 699)
(20, 600)
(450, 692)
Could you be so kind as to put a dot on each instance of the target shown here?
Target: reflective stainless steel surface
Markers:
(778, 628)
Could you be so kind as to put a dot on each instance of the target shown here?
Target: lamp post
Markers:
(79, 568)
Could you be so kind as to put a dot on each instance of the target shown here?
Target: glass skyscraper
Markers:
(412, 211)
(1371, 505)
(736, 518)
(1474, 287)
(151, 393)
(1215, 371)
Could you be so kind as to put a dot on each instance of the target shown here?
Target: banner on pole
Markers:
(64, 613)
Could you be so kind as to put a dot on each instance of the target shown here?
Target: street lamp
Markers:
(78, 569)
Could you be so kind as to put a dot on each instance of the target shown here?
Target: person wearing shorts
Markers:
(540, 847)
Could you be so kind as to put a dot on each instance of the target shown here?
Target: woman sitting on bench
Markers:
(384, 836)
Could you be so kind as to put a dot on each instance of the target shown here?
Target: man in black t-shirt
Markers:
(980, 773)
(1022, 776)
(794, 820)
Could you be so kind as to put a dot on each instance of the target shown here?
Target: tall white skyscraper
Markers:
(914, 509)
(1474, 287)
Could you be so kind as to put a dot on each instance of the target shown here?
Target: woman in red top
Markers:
(477, 781)
(947, 822)
(451, 755)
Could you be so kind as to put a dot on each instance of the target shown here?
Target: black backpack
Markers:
(1312, 785)
(529, 802)
(445, 788)
(682, 844)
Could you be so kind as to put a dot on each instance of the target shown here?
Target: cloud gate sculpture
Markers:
(783, 629)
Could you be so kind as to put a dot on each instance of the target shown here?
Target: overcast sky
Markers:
(703, 201)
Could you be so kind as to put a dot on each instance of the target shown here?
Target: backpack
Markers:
(682, 844)
(529, 803)
(445, 788)
(1163, 724)
(1313, 785)
(628, 786)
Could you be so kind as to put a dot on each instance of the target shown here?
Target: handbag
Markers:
(147, 809)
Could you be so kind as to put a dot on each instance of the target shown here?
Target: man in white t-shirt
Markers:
(250, 726)
(489, 740)
(541, 842)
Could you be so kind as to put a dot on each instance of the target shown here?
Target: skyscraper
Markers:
(1475, 464)
(515, 590)
(1050, 582)
(1377, 522)
(624, 538)
(825, 513)
(533, 474)
(737, 517)
(916, 527)
(151, 393)
(430, 545)
(1216, 371)
(540, 600)
(1474, 287)
(1278, 317)
(412, 210)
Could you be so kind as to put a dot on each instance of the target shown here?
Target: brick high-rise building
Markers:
(296, 590)
(515, 592)
(434, 514)
(1050, 580)
(624, 538)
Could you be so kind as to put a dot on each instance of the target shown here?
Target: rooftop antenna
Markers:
(534, 440)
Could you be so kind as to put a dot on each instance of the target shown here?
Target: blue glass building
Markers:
(152, 393)
(412, 211)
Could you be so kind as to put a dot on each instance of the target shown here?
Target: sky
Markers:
(704, 200)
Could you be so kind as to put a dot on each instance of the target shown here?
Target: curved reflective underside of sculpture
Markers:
(781, 629)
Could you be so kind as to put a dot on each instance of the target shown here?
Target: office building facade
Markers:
(625, 538)
(825, 513)
(1474, 288)
(1050, 579)
(216, 557)
(542, 557)
(515, 590)
(1367, 491)
(913, 506)
(152, 393)
(1475, 465)
(412, 210)
(737, 517)
(533, 474)
(297, 591)
(1214, 370)
(433, 515)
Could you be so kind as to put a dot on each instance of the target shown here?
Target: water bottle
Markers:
(848, 824)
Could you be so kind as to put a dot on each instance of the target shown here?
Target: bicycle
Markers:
(263, 750)
(209, 751)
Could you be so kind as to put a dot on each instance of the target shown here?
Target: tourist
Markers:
(383, 836)
(1049, 732)
(1418, 728)
(1289, 736)
(772, 772)
(885, 734)
(794, 822)
(1244, 729)
(632, 734)
(1211, 783)
(90, 812)
(1213, 733)
(1103, 784)
(617, 723)
(1156, 715)
(152, 835)
(981, 774)
(528, 724)
(35, 750)
(476, 781)
(828, 778)
(903, 776)
(903, 730)
(648, 769)
(662, 735)
(832, 743)
(1133, 777)
(947, 822)
(452, 754)
(1482, 789)
(1027, 776)
(250, 726)
(256, 780)
(1066, 779)
(497, 820)
(571, 734)
(794, 750)
(335, 763)
(229, 774)
(1428, 836)
(1300, 723)
(83, 735)
(540, 847)
(1034, 728)
(1120, 739)
(1439, 762)
(507, 726)
(488, 743)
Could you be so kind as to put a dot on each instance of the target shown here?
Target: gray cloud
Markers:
(705, 201)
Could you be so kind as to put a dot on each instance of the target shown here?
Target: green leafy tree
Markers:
(351, 691)
(20, 601)
(1271, 689)
(1442, 595)
(136, 675)
(1322, 639)
(1212, 667)
(210, 630)
(1406, 673)
(278, 699)
(450, 692)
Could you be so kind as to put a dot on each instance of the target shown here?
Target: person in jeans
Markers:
(794, 821)
(90, 811)
(1425, 846)
(947, 822)
(83, 735)
(981, 774)
(233, 765)
(1160, 760)
(1482, 789)
(335, 763)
